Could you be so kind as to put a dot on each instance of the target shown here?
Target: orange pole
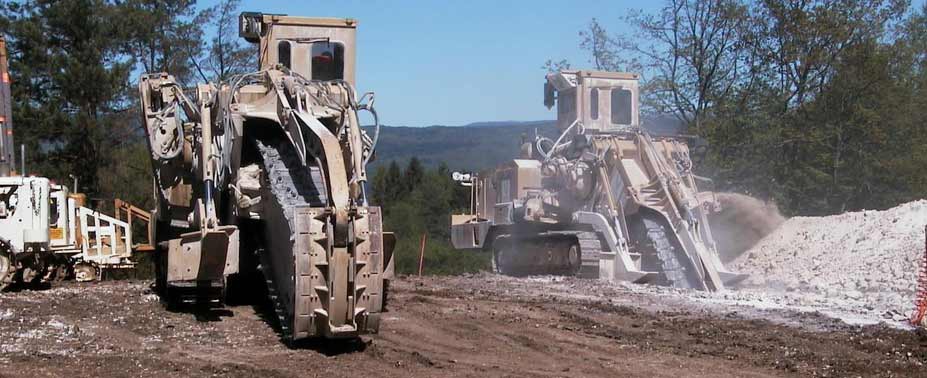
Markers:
(421, 256)
(920, 301)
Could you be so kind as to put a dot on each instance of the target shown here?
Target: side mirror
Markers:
(249, 26)
(366, 101)
(550, 95)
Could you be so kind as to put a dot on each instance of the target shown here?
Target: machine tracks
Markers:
(292, 186)
(554, 252)
(590, 245)
(661, 254)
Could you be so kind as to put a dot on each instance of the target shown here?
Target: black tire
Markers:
(7, 269)
(62, 271)
(33, 274)
(84, 272)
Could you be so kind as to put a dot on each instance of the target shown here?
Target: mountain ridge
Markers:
(477, 145)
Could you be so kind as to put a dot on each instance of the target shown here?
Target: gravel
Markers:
(868, 260)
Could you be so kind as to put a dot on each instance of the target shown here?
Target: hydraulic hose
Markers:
(376, 133)
(557, 144)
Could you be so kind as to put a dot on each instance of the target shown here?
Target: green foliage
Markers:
(818, 105)
(74, 98)
(68, 84)
(163, 36)
(226, 54)
(417, 201)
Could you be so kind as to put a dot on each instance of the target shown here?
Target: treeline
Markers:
(819, 105)
(417, 201)
(74, 66)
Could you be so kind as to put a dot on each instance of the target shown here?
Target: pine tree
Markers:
(70, 83)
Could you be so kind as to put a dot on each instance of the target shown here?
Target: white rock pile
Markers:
(871, 258)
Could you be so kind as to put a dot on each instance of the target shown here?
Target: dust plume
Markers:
(741, 223)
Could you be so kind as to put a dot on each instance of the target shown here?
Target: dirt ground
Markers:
(482, 325)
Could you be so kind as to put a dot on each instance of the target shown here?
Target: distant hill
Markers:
(471, 147)
(477, 145)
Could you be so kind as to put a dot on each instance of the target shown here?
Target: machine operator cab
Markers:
(316, 48)
(600, 101)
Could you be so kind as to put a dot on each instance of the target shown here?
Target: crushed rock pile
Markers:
(870, 258)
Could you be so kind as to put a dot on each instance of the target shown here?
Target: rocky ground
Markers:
(482, 325)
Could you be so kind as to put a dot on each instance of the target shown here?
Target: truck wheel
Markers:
(6, 265)
(32, 274)
(63, 270)
(84, 272)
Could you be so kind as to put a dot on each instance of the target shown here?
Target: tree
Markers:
(691, 51)
(605, 50)
(806, 45)
(70, 84)
(163, 36)
(803, 40)
(394, 187)
(228, 55)
(413, 175)
(814, 103)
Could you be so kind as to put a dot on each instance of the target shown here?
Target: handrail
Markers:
(131, 211)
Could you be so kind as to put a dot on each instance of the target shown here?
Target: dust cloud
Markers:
(742, 222)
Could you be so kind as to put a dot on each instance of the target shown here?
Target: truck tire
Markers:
(6, 265)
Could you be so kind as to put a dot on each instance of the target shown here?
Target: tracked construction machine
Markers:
(265, 175)
(604, 200)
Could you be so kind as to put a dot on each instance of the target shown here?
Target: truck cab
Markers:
(24, 214)
(601, 101)
(316, 48)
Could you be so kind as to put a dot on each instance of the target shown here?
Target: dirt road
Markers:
(482, 325)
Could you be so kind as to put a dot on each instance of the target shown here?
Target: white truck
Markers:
(45, 231)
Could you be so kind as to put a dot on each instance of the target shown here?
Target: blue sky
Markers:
(456, 62)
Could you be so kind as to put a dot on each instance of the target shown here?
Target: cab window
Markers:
(566, 102)
(53, 211)
(327, 60)
(8, 201)
(283, 54)
(594, 103)
(621, 106)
